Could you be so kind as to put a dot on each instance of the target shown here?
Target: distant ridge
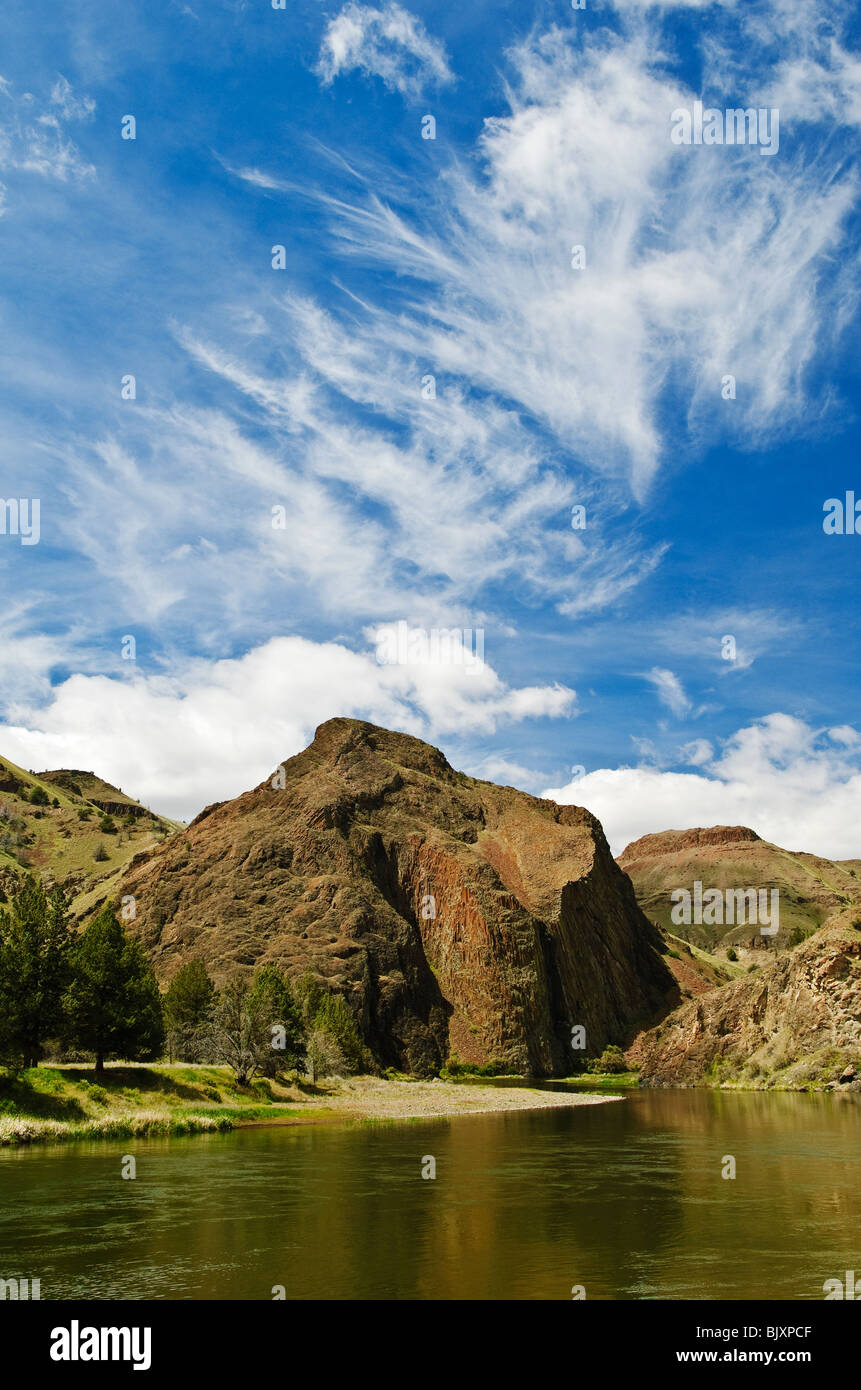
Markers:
(811, 889)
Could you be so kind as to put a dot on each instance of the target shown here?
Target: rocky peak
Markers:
(452, 914)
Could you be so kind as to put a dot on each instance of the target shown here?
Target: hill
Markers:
(795, 1023)
(54, 824)
(732, 859)
(455, 916)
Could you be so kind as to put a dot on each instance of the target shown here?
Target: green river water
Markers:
(625, 1199)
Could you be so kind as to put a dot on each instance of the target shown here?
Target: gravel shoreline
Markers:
(370, 1098)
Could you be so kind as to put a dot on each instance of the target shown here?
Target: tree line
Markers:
(95, 992)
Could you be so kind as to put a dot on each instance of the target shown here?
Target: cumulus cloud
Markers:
(390, 43)
(793, 784)
(213, 730)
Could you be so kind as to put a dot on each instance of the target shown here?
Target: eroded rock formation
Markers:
(454, 915)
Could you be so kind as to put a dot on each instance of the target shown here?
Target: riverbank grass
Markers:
(66, 1102)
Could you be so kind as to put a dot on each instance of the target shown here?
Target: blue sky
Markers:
(301, 388)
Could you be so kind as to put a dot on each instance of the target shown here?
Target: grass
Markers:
(54, 839)
(604, 1081)
(49, 1104)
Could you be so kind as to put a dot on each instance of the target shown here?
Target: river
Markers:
(626, 1200)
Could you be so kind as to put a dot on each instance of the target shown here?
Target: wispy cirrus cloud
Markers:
(595, 344)
(33, 133)
(670, 690)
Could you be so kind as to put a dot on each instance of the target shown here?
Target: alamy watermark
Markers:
(843, 518)
(727, 907)
(24, 1289)
(402, 645)
(21, 516)
(734, 126)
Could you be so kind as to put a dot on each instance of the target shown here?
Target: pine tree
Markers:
(283, 1019)
(35, 947)
(113, 1001)
(328, 1015)
(188, 1007)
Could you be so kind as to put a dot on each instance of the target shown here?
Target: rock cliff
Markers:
(454, 915)
(796, 1022)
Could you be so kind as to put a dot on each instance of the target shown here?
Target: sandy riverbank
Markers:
(67, 1103)
(371, 1098)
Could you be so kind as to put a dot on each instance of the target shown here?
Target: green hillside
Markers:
(71, 828)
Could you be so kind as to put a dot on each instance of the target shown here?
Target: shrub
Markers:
(732, 953)
(101, 853)
(330, 1013)
(39, 797)
(612, 1060)
(455, 1067)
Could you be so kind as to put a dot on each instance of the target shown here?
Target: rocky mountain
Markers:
(54, 824)
(795, 1023)
(732, 859)
(455, 916)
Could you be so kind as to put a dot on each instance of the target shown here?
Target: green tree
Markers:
(612, 1059)
(328, 1013)
(113, 1001)
(108, 825)
(35, 946)
(286, 1045)
(39, 797)
(324, 1056)
(239, 1035)
(188, 1011)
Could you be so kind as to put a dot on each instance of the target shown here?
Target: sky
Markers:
(396, 320)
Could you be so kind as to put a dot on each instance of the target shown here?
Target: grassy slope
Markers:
(812, 890)
(57, 845)
(67, 1102)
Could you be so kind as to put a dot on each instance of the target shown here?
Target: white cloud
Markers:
(697, 752)
(216, 729)
(33, 139)
(754, 633)
(423, 465)
(390, 43)
(670, 690)
(779, 776)
(585, 159)
(505, 773)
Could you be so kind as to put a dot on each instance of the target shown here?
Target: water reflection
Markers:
(626, 1199)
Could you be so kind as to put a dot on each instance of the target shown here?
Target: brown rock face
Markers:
(454, 915)
(798, 1020)
(675, 841)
